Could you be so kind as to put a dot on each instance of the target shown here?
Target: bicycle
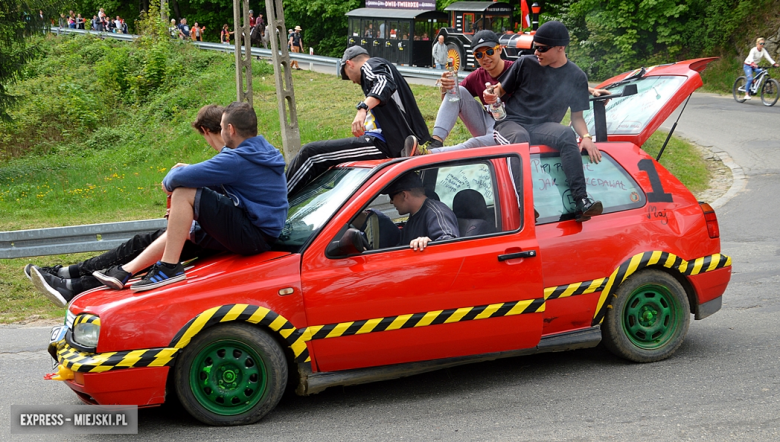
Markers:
(769, 87)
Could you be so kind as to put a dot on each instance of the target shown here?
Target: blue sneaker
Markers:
(159, 275)
(114, 277)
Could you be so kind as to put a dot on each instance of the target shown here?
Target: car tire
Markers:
(231, 375)
(739, 96)
(770, 92)
(649, 318)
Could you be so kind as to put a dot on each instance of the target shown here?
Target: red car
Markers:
(523, 278)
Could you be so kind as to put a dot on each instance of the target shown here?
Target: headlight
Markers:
(86, 331)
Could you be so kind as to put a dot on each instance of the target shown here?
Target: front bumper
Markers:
(135, 377)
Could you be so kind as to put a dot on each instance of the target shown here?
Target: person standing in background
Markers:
(296, 45)
(440, 53)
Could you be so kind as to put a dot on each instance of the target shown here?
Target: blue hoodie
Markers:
(252, 174)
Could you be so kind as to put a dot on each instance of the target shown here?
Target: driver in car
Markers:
(429, 220)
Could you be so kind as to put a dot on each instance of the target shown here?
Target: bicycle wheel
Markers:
(738, 90)
(769, 92)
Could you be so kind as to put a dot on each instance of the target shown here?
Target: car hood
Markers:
(660, 91)
(200, 273)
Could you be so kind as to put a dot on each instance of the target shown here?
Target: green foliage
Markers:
(324, 22)
(18, 20)
(609, 37)
(82, 83)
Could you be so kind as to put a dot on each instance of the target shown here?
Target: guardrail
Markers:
(72, 239)
(406, 71)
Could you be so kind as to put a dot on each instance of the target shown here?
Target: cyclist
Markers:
(751, 63)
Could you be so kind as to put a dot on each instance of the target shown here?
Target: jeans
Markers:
(441, 66)
(474, 117)
(555, 135)
(127, 251)
(749, 73)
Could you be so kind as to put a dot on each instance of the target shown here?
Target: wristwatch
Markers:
(586, 135)
(361, 105)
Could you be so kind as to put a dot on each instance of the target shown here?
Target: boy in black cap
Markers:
(429, 220)
(543, 87)
(492, 69)
(383, 120)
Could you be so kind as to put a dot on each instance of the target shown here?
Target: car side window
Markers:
(607, 182)
(468, 189)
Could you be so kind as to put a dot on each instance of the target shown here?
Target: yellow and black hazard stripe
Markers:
(425, 319)
(75, 360)
(627, 268)
(247, 313)
(648, 259)
(297, 338)
(87, 318)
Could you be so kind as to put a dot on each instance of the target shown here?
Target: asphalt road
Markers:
(722, 384)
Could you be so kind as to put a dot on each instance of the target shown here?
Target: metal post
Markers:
(285, 96)
(243, 60)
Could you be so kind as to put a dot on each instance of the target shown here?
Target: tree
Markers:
(20, 19)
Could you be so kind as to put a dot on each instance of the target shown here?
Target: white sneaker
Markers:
(747, 97)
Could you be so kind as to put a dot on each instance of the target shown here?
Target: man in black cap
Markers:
(383, 120)
(543, 87)
(492, 69)
(429, 220)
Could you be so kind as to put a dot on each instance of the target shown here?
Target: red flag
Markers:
(526, 14)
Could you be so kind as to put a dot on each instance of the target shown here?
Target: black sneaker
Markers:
(586, 208)
(158, 276)
(410, 145)
(53, 287)
(114, 277)
(50, 270)
(435, 144)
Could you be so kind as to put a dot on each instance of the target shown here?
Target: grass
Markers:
(682, 159)
(720, 75)
(121, 182)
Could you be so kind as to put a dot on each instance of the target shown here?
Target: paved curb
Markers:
(739, 180)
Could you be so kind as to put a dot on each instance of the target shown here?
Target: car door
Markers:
(458, 297)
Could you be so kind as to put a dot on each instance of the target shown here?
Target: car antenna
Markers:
(674, 126)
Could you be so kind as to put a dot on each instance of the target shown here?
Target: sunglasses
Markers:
(541, 49)
(479, 54)
(762, 43)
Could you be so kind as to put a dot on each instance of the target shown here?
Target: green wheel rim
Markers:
(651, 316)
(228, 378)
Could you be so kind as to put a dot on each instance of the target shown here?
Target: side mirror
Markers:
(352, 242)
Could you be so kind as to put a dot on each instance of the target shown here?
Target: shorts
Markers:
(221, 225)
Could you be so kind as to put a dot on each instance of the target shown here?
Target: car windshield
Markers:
(314, 205)
(630, 115)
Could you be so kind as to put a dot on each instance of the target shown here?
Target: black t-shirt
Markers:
(434, 220)
(542, 94)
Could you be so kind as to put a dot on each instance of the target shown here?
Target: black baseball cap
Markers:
(349, 54)
(483, 38)
(408, 181)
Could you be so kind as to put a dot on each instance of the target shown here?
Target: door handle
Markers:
(526, 254)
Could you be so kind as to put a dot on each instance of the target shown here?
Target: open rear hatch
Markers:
(660, 91)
